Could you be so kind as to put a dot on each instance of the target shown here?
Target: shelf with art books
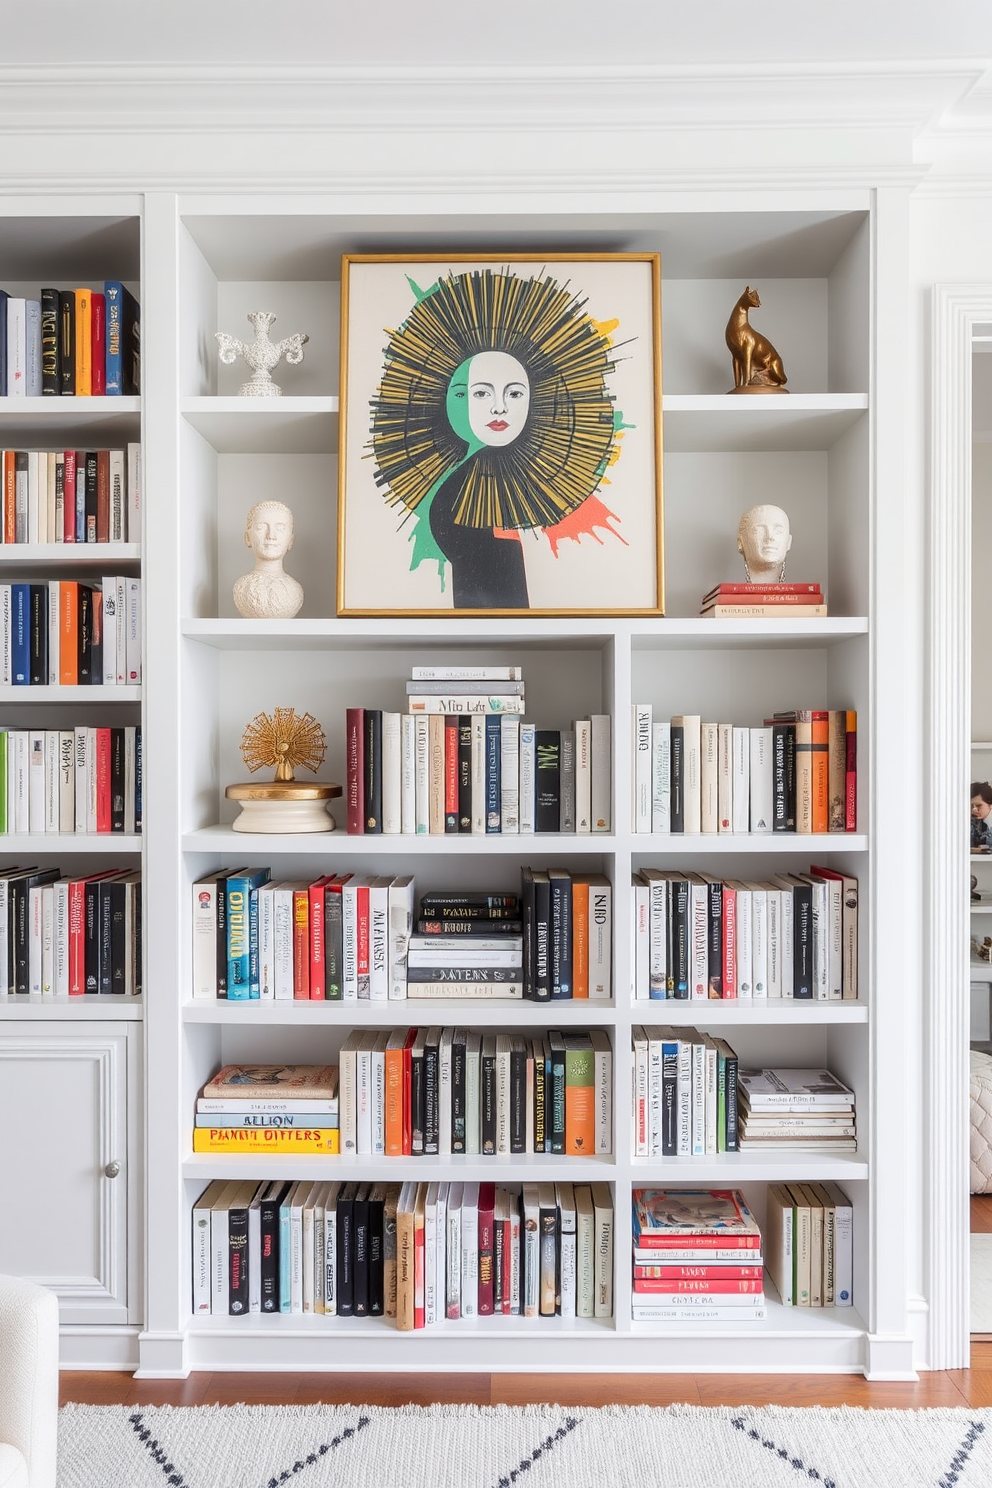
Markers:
(712, 423)
(265, 426)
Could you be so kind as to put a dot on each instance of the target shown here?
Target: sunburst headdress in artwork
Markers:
(559, 457)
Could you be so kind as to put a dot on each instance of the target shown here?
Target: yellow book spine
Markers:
(300, 1140)
(84, 343)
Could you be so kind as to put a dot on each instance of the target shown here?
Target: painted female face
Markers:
(497, 390)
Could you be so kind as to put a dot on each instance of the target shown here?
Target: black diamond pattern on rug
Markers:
(175, 1479)
(547, 1445)
(950, 1479)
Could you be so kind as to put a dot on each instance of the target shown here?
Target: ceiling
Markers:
(424, 33)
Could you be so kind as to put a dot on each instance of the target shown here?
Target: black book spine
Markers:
(561, 935)
(446, 930)
(51, 367)
(681, 936)
(417, 1102)
(377, 1290)
(518, 1099)
(802, 941)
(540, 1099)
(92, 486)
(131, 345)
(498, 906)
(333, 943)
(731, 1103)
(117, 893)
(464, 774)
(373, 769)
(237, 1246)
(669, 1098)
(547, 777)
(138, 962)
(91, 950)
(344, 1261)
(39, 635)
(96, 639)
(714, 939)
(221, 911)
(137, 778)
(780, 791)
(117, 780)
(542, 938)
(67, 340)
(105, 910)
(433, 911)
(677, 781)
(790, 777)
(84, 633)
(487, 1097)
(431, 1101)
(19, 896)
(361, 1297)
(557, 1099)
(458, 1092)
(268, 1239)
(527, 931)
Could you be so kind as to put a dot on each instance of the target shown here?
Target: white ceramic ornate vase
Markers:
(261, 355)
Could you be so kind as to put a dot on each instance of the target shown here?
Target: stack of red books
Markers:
(750, 601)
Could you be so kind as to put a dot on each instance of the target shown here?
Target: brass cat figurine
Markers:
(757, 365)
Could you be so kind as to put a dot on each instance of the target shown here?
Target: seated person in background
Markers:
(981, 816)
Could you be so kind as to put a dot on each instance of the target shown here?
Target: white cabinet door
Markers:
(64, 1167)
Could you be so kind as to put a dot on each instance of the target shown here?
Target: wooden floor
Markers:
(954, 1387)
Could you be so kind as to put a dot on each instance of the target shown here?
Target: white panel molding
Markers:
(956, 309)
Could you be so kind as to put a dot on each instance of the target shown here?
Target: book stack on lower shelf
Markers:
(70, 780)
(65, 937)
(697, 1257)
(804, 1110)
(71, 496)
(72, 342)
(809, 1232)
(797, 772)
(68, 634)
(685, 1093)
(269, 1108)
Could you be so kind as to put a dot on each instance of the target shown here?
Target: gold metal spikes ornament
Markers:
(283, 742)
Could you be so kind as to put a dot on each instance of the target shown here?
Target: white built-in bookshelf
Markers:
(208, 455)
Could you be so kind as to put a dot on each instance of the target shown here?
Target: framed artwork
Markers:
(500, 448)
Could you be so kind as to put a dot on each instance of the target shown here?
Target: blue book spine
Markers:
(32, 348)
(285, 1247)
(20, 634)
(493, 758)
(238, 892)
(114, 292)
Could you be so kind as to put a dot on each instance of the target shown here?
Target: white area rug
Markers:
(449, 1446)
(981, 1283)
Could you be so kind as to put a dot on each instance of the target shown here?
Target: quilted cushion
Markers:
(981, 1122)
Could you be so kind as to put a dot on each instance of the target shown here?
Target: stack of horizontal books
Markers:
(763, 601)
(806, 1110)
(269, 1108)
(466, 945)
(697, 1257)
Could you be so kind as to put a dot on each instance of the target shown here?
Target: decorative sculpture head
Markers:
(764, 540)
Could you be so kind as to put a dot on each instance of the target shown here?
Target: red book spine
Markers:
(355, 768)
(451, 727)
(362, 942)
(318, 988)
(688, 1272)
(729, 941)
(701, 1288)
(487, 1202)
(69, 498)
(784, 589)
(301, 945)
(98, 349)
(851, 775)
(103, 814)
(715, 1240)
(419, 1314)
(77, 937)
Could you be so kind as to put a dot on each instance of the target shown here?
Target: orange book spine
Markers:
(84, 343)
(69, 633)
(315, 931)
(301, 944)
(821, 771)
(9, 496)
(580, 938)
(393, 1114)
(580, 1101)
(851, 774)
(103, 495)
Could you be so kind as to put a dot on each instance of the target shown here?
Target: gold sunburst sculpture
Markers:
(284, 742)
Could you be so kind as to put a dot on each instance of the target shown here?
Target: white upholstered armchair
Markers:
(29, 1384)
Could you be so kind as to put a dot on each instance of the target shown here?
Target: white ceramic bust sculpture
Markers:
(267, 593)
(764, 540)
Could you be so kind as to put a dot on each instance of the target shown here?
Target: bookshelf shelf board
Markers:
(27, 423)
(70, 842)
(497, 1012)
(92, 555)
(384, 1330)
(980, 971)
(698, 633)
(48, 694)
(223, 839)
(718, 423)
(269, 426)
(804, 843)
(206, 1166)
(732, 1168)
(813, 1322)
(981, 857)
(89, 1008)
(982, 909)
(745, 1011)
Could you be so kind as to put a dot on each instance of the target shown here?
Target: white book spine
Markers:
(200, 1258)
(774, 960)
(379, 941)
(683, 1096)
(654, 1092)
(691, 798)
(640, 1103)
(265, 901)
(709, 816)
(725, 777)
(331, 1252)
(408, 796)
(602, 772)
(478, 774)
(527, 775)
(91, 783)
(110, 642)
(133, 620)
(762, 782)
(5, 673)
(401, 898)
(583, 774)
(532, 1251)
(600, 941)
(509, 783)
(698, 1097)
(741, 745)
(52, 814)
(134, 473)
(392, 786)
(661, 776)
(348, 1096)
(16, 348)
(33, 524)
(453, 1267)
(81, 777)
(363, 1088)
(378, 1063)
(642, 940)
(566, 1258)
(60, 897)
(36, 781)
(711, 1059)
(786, 934)
(759, 944)
(444, 1093)
(658, 960)
(205, 939)
(585, 1261)
(431, 1314)
(282, 944)
(254, 1257)
(470, 1250)
(640, 725)
(120, 632)
(67, 782)
(54, 632)
(47, 940)
(118, 497)
(421, 775)
(698, 944)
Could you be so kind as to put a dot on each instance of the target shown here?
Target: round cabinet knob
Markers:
(112, 1169)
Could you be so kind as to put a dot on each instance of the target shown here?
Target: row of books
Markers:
(67, 634)
(456, 770)
(62, 937)
(809, 1230)
(685, 1093)
(697, 1257)
(698, 937)
(807, 1110)
(764, 601)
(71, 780)
(796, 773)
(354, 937)
(84, 341)
(71, 496)
(416, 1254)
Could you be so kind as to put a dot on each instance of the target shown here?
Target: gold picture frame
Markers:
(500, 444)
